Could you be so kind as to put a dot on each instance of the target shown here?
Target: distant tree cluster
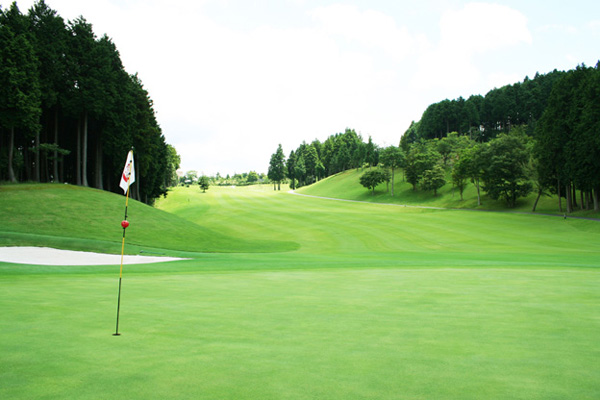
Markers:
(312, 162)
(483, 118)
(500, 167)
(542, 134)
(239, 179)
(69, 112)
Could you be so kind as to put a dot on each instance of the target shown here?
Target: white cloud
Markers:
(370, 28)
(559, 28)
(481, 27)
(473, 31)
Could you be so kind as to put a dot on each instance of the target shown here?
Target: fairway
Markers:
(336, 300)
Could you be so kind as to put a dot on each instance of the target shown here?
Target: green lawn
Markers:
(325, 300)
(77, 218)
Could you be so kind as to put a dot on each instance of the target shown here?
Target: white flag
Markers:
(128, 176)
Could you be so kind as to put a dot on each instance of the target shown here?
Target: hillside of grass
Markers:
(78, 218)
(346, 185)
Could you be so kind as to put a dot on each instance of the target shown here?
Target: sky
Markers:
(233, 79)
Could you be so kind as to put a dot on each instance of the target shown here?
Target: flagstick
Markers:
(122, 251)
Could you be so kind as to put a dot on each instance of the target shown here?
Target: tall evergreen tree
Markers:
(20, 96)
(291, 169)
(50, 35)
(277, 167)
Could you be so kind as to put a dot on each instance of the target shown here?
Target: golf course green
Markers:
(294, 297)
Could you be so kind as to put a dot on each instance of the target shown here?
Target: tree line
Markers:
(540, 136)
(482, 118)
(313, 161)
(544, 132)
(237, 179)
(69, 112)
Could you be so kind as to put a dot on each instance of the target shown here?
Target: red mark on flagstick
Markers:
(124, 224)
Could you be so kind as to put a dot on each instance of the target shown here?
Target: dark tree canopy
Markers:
(483, 117)
(69, 112)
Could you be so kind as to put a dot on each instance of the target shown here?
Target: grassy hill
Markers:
(77, 218)
(345, 185)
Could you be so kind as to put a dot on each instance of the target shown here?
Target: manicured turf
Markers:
(374, 302)
(77, 218)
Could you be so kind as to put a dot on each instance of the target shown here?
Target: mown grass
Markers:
(77, 218)
(375, 301)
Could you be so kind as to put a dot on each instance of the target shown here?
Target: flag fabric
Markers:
(128, 176)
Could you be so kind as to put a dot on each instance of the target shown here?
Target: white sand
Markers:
(48, 256)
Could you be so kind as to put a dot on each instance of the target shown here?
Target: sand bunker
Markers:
(48, 256)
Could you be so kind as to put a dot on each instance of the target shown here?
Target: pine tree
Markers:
(277, 168)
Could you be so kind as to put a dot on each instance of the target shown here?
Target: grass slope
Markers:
(376, 301)
(78, 218)
(345, 185)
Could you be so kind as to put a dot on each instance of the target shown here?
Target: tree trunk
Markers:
(46, 176)
(78, 166)
(62, 169)
(478, 194)
(596, 193)
(27, 162)
(569, 202)
(11, 147)
(108, 182)
(392, 182)
(36, 158)
(559, 198)
(98, 176)
(84, 180)
(574, 196)
(536, 200)
(278, 185)
(55, 176)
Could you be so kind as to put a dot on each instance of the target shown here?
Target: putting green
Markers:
(374, 301)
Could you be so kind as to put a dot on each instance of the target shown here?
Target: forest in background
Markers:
(541, 135)
(69, 112)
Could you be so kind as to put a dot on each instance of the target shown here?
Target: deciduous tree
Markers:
(373, 177)
(203, 183)
(504, 174)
